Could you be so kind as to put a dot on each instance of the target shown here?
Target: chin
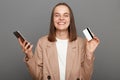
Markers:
(62, 29)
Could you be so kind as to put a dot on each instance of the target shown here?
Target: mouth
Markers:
(61, 23)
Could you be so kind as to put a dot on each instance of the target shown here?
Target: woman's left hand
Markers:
(91, 46)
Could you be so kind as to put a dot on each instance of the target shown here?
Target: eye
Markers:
(56, 15)
(66, 15)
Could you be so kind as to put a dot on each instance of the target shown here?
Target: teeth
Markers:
(61, 23)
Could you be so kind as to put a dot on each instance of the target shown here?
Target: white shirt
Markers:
(62, 53)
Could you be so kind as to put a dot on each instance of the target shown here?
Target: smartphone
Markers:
(19, 35)
(88, 34)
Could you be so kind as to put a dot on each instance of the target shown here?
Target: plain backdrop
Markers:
(32, 19)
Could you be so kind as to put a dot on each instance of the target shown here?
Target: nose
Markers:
(61, 18)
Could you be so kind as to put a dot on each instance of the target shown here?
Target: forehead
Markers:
(61, 9)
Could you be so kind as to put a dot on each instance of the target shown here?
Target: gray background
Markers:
(32, 18)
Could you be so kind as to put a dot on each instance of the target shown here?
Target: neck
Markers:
(62, 34)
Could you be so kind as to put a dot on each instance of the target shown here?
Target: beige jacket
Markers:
(45, 61)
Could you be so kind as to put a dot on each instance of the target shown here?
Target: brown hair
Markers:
(71, 29)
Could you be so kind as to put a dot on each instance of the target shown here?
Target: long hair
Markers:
(71, 29)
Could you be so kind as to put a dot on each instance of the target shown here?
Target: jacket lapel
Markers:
(53, 60)
(70, 58)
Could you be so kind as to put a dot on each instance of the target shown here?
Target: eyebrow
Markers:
(59, 13)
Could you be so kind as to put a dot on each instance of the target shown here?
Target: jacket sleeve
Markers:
(86, 64)
(35, 64)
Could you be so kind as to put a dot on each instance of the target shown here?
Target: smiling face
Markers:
(61, 18)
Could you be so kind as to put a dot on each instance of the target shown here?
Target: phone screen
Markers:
(19, 35)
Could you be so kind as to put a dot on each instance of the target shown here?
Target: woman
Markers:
(61, 55)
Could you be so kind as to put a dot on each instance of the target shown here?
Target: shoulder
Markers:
(43, 41)
(43, 38)
(81, 41)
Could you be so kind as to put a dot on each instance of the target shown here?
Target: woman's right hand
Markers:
(26, 48)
